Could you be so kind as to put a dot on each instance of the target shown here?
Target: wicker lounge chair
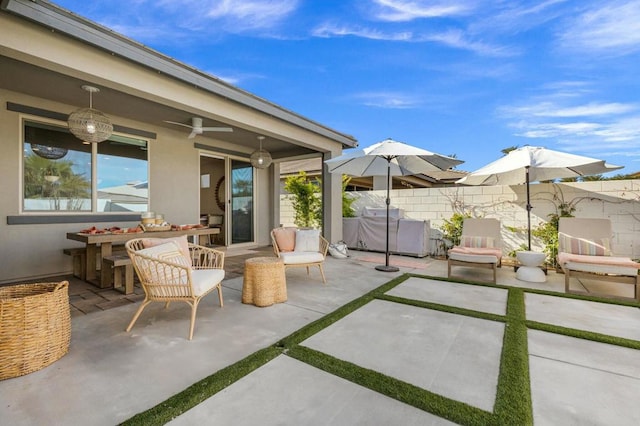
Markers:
(169, 274)
(480, 246)
(300, 248)
(584, 251)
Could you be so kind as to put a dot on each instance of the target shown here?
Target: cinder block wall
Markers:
(618, 200)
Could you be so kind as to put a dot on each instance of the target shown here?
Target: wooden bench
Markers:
(79, 259)
(122, 272)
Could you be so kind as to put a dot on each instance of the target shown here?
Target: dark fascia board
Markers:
(44, 219)
(66, 22)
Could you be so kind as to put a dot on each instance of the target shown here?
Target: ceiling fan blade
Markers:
(193, 134)
(178, 124)
(217, 129)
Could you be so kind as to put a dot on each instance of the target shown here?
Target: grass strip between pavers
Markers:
(200, 391)
(513, 397)
(439, 405)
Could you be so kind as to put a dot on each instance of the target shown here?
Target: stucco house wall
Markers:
(45, 41)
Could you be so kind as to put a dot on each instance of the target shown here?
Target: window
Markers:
(58, 171)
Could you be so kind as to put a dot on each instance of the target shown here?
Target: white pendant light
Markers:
(88, 124)
(261, 159)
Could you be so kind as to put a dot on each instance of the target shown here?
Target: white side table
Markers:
(530, 270)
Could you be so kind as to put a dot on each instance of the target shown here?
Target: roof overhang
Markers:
(59, 20)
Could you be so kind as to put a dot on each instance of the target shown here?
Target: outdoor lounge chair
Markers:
(175, 270)
(584, 251)
(480, 246)
(300, 248)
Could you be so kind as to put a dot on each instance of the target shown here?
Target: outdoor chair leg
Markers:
(324, 280)
(166, 305)
(220, 295)
(194, 308)
(138, 312)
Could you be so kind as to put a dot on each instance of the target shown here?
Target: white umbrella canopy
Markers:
(389, 158)
(544, 164)
(534, 164)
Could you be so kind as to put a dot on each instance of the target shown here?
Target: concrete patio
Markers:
(110, 375)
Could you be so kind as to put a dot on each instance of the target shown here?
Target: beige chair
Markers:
(300, 248)
(480, 246)
(584, 251)
(169, 274)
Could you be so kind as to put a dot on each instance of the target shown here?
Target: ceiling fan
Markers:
(197, 129)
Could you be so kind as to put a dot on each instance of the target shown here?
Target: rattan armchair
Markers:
(304, 259)
(167, 278)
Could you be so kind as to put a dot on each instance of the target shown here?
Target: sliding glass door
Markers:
(242, 213)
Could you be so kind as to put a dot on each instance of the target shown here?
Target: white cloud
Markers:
(550, 109)
(555, 130)
(390, 100)
(330, 30)
(254, 14)
(577, 123)
(613, 28)
(453, 38)
(458, 39)
(403, 10)
(516, 16)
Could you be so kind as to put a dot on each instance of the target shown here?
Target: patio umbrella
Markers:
(535, 164)
(390, 158)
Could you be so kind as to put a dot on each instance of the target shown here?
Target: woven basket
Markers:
(35, 327)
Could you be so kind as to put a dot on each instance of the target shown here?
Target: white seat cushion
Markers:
(204, 280)
(297, 257)
(473, 258)
(598, 264)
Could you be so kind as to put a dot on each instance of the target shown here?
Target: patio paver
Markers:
(477, 298)
(109, 375)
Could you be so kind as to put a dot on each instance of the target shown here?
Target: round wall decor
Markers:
(220, 194)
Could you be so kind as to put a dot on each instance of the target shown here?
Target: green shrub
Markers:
(305, 198)
(347, 199)
(548, 232)
(452, 228)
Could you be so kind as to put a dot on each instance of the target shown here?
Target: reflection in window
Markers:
(241, 202)
(57, 172)
(122, 175)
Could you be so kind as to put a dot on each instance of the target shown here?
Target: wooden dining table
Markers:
(106, 241)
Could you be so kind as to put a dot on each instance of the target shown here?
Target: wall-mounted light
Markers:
(261, 159)
(88, 124)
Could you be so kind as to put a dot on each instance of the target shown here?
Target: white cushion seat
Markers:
(297, 257)
(204, 280)
(600, 265)
(475, 258)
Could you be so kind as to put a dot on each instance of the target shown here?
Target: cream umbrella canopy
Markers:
(390, 158)
(534, 164)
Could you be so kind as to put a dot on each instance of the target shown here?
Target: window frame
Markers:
(40, 216)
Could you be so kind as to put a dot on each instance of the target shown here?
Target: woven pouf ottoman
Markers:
(35, 327)
(264, 281)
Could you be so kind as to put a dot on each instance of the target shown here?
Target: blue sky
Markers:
(463, 77)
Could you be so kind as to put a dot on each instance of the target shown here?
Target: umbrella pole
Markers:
(386, 267)
(528, 210)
